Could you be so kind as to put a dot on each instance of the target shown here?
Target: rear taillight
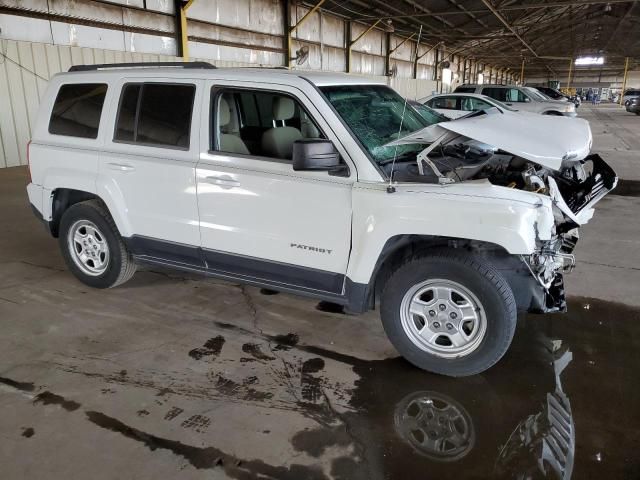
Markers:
(28, 161)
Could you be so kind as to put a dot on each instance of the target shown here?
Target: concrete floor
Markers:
(173, 376)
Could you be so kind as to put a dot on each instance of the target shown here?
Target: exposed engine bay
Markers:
(523, 152)
(471, 161)
(579, 183)
(544, 155)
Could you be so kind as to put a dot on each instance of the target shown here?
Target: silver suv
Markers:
(523, 98)
(629, 95)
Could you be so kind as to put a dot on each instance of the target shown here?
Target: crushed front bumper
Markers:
(532, 297)
(555, 299)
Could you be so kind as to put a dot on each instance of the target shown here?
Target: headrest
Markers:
(225, 112)
(283, 108)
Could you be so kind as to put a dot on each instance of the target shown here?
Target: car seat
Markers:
(278, 141)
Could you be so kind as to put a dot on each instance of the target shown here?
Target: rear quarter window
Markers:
(77, 109)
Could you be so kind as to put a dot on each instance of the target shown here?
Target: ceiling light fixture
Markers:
(589, 61)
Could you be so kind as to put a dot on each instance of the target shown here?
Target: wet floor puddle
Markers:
(563, 403)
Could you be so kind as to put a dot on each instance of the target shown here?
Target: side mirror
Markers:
(315, 154)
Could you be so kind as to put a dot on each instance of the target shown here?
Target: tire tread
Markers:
(478, 264)
(127, 265)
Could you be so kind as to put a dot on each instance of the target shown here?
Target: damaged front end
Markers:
(547, 266)
(546, 156)
(573, 191)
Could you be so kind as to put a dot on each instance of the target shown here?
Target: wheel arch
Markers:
(63, 198)
(400, 247)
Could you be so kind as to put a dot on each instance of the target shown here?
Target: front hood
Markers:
(542, 139)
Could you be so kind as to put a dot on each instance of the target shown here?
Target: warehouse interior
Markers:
(177, 375)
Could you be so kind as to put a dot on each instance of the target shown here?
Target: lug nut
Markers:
(432, 313)
(453, 315)
(449, 326)
(442, 306)
(436, 324)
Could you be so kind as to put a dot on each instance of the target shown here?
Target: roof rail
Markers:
(100, 66)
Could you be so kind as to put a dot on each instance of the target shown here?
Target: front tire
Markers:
(92, 247)
(450, 313)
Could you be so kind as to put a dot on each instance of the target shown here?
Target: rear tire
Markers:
(92, 247)
(449, 312)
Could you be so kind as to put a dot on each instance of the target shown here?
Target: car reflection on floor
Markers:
(464, 427)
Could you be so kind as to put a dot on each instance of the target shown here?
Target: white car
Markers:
(325, 185)
(527, 99)
(456, 105)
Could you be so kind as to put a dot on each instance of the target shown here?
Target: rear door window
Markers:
(77, 109)
(125, 126)
(155, 114)
(515, 95)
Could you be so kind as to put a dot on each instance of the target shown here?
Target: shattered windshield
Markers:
(374, 113)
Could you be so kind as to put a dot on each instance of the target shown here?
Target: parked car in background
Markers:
(629, 94)
(456, 105)
(633, 105)
(555, 94)
(429, 114)
(522, 98)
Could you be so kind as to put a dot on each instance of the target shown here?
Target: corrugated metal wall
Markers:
(25, 68)
(39, 38)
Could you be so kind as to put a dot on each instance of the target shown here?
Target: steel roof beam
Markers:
(526, 6)
(617, 29)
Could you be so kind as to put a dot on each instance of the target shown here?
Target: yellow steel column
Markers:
(569, 76)
(183, 29)
(624, 80)
(522, 73)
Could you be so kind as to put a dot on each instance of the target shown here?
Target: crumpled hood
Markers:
(543, 139)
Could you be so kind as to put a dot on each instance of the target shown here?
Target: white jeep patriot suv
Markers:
(325, 185)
